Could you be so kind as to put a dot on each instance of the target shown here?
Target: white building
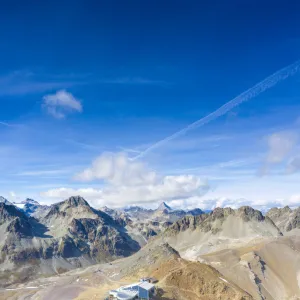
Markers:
(141, 290)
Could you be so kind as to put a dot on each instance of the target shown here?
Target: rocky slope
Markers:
(5, 201)
(223, 227)
(267, 269)
(245, 246)
(177, 279)
(72, 234)
(182, 279)
(286, 219)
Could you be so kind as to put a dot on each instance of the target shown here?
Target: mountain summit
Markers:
(3, 200)
(164, 207)
(30, 201)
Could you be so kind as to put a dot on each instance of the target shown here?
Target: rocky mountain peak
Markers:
(220, 213)
(275, 211)
(108, 210)
(4, 200)
(248, 213)
(164, 207)
(75, 201)
(286, 209)
(73, 205)
(285, 218)
(30, 201)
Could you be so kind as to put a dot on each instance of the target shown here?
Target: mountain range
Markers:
(243, 245)
(40, 239)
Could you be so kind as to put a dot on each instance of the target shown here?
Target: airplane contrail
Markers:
(5, 124)
(254, 91)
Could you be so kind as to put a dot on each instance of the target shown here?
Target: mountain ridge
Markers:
(73, 234)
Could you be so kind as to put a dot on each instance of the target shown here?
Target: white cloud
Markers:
(294, 200)
(260, 204)
(61, 103)
(280, 144)
(12, 194)
(42, 172)
(170, 188)
(130, 182)
(63, 193)
(118, 170)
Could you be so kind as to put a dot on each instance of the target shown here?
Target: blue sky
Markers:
(99, 81)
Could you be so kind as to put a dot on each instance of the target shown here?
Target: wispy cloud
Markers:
(5, 124)
(280, 145)
(20, 83)
(42, 172)
(84, 145)
(233, 166)
(129, 150)
(61, 103)
(23, 82)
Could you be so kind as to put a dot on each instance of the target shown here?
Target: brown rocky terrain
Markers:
(177, 279)
(181, 279)
(267, 269)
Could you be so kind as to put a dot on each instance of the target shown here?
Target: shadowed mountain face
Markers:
(34, 209)
(71, 234)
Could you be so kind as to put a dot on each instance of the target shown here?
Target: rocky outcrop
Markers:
(285, 218)
(9, 212)
(247, 213)
(189, 222)
(213, 221)
(20, 227)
